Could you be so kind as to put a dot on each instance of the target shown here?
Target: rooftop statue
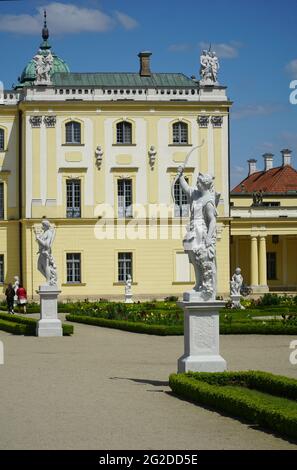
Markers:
(209, 67)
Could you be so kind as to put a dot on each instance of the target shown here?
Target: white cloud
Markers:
(223, 50)
(291, 68)
(126, 21)
(256, 110)
(65, 18)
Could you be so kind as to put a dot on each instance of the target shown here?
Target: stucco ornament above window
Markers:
(209, 67)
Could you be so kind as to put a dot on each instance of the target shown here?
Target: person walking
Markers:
(22, 297)
(10, 298)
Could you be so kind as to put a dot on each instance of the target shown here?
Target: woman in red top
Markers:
(22, 297)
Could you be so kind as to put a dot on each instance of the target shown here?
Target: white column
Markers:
(262, 262)
(254, 261)
(285, 260)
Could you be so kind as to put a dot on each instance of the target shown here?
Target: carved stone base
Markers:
(201, 338)
(236, 302)
(49, 324)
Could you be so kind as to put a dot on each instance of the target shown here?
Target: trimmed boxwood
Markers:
(14, 328)
(208, 389)
(134, 327)
(273, 328)
(28, 324)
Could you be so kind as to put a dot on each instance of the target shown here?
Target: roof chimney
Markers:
(287, 156)
(145, 70)
(268, 161)
(252, 166)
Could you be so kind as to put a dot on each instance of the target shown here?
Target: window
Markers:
(271, 204)
(73, 132)
(2, 140)
(181, 206)
(124, 198)
(1, 269)
(124, 266)
(180, 133)
(271, 265)
(124, 133)
(73, 196)
(73, 262)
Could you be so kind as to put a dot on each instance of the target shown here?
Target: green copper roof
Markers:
(122, 80)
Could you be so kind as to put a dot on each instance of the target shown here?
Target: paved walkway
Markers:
(107, 389)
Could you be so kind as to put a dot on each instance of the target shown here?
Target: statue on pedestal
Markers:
(46, 263)
(235, 289)
(236, 282)
(200, 238)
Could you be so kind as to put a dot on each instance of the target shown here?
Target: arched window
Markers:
(124, 132)
(180, 133)
(73, 132)
(2, 140)
(181, 201)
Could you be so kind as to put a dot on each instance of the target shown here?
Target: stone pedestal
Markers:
(49, 324)
(236, 302)
(201, 337)
(128, 298)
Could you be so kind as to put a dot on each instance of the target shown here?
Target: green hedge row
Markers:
(160, 330)
(25, 325)
(208, 389)
(257, 328)
(240, 328)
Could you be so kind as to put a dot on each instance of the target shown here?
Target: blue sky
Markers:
(256, 41)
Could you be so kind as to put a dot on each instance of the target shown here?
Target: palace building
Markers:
(94, 150)
(97, 154)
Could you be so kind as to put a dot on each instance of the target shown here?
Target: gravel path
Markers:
(107, 389)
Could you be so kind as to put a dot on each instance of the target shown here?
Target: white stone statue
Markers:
(235, 287)
(236, 282)
(128, 290)
(15, 286)
(43, 67)
(46, 263)
(200, 238)
(209, 67)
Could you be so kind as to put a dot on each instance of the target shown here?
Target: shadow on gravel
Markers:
(155, 383)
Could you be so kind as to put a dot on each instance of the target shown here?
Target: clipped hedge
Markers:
(238, 328)
(271, 327)
(14, 328)
(27, 326)
(209, 389)
(134, 327)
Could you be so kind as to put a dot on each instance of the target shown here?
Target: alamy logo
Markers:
(1, 353)
(293, 94)
(293, 355)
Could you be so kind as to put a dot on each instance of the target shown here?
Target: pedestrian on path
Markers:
(10, 298)
(22, 298)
